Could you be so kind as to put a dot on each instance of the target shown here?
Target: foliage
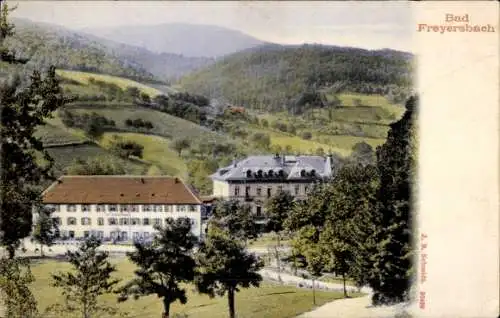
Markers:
(126, 148)
(139, 123)
(198, 171)
(183, 105)
(46, 229)
(101, 165)
(277, 210)
(274, 77)
(307, 135)
(236, 218)
(261, 140)
(23, 110)
(393, 226)
(164, 264)
(223, 266)
(16, 296)
(90, 280)
(92, 124)
(363, 153)
(181, 144)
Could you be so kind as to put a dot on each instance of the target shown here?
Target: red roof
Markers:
(119, 190)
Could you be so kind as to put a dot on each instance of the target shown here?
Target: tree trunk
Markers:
(314, 292)
(12, 251)
(41, 250)
(230, 302)
(345, 290)
(166, 308)
(278, 257)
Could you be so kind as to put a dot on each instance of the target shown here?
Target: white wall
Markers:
(79, 229)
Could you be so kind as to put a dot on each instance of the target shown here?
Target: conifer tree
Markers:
(393, 268)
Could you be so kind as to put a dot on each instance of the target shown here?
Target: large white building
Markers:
(256, 178)
(120, 208)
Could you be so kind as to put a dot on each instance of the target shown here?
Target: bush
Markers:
(126, 148)
(307, 135)
(139, 123)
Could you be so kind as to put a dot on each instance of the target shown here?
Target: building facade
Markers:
(119, 208)
(255, 179)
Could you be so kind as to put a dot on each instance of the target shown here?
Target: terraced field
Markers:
(156, 152)
(123, 83)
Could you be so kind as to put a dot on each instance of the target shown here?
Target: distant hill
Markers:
(275, 77)
(47, 44)
(189, 40)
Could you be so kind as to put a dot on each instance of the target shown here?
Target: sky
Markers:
(372, 25)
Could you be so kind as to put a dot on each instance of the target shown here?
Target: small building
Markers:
(120, 208)
(255, 179)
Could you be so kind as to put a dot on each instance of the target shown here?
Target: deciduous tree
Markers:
(89, 280)
(224, 266)
(164, 265)
(236, 218)
(46, 229)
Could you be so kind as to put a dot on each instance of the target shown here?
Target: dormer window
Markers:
(303, 173)
(313, 173)
(270, 173)
(249, 173)
(259, 173)
(281, 173)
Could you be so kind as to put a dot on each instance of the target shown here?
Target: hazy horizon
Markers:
(366, 25)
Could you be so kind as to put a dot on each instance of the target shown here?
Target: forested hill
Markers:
(276, 76)
(46, 44)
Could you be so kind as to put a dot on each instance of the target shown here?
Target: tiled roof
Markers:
(119, 190)
(288, 167)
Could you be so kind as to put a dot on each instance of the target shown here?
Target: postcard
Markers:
(249, 159)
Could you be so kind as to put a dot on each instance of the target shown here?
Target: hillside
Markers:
(47, 44)
(189, 40)
(275, 77)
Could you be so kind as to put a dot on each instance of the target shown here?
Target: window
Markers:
(134, 208)
(136, 235)
(280, 188)
(100, 234)
(296, 190)
(112, 207)
(192, 208)
(269, 192)
(259, 191)
(71, 234)
(71, 208)
(145, 221)
(85, 208)
(258, 211)
(124, 221)
(100, 208)
(71, 221)
(54, 207)
(302, 173)
(158, 221)
(306, 188)
(157, 208)
(57, 221)
(135, 221)
(168, 208)
(181, 208)
(123, 208)
(112, 221)
(145, 235)
(247, 191)
(236, 191)
(100, 221)
(249, 173)
(86, 221)
(146, 208)
(86, 234)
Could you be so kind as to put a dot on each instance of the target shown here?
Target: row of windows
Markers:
(258, 190)
(127, 208)
(115, 221)
(113, 235)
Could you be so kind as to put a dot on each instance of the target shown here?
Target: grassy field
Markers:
(268, 301)
(55, 135)
(123, 83)
(64, 157)
(165, 125)
(269, 240)
(156, 152)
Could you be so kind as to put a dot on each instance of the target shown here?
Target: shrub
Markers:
(307, 135)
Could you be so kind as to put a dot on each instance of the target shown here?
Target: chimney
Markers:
(142, 180)
(176, 180)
